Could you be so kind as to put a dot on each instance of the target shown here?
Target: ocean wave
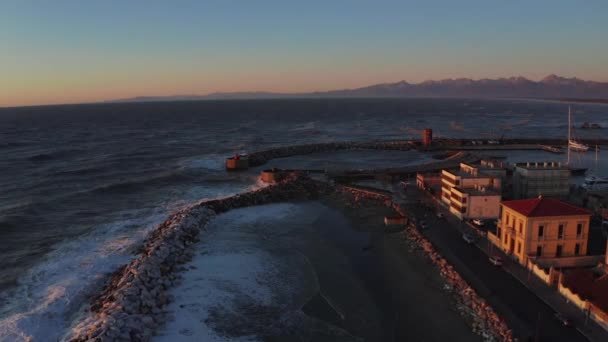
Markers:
(308, 126)
(53, 294)
(53, 155)
(48, 295)
(138, 183)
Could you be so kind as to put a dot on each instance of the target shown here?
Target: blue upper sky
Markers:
(74, 51)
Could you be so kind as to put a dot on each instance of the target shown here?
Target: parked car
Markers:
(440, 215)
(496, 260)
(478, 222)
(565, 321)
(423, 225)
(468, 238)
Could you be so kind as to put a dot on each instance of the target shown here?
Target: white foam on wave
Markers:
(228, 269)
(51, 295)
(207, 161)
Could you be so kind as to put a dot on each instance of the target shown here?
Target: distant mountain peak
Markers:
(552, 86)
(555, 79)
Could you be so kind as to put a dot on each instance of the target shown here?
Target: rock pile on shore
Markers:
(483, 319)
(133, 304)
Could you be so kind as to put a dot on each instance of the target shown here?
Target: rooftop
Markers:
(489, 165)
(588, 285)
(542, 166)
(487, 191)
(540, 207)
(465, 174)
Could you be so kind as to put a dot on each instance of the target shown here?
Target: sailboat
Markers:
(594, 182)
(574, 145)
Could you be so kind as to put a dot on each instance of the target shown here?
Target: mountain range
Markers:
(550, 87)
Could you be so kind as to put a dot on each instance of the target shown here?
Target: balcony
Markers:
(563, 238)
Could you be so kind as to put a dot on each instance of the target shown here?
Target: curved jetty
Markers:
(133, 304)
(261, 157)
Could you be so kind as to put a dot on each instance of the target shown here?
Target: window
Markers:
(521, 227)
(505, 239)
(577, 249)
(518, 248)
(541, 231)
(558, 251)
(579, 230)
(507, 219)
(539, 251)
(560, 231)
(498, 231)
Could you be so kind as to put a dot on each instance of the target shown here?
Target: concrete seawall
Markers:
(133, 303)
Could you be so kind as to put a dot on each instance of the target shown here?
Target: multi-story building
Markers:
(428, 180)
(470, 193)
(467, 177)
(479, 202)
(542, 228)
(547, 179)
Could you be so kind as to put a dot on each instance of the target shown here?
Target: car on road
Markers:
(565, 321)
(468, 238)
(440, 215)
(478, 222)
(423, 225)
(496, 260)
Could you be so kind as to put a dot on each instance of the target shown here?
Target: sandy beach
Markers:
(310, 271)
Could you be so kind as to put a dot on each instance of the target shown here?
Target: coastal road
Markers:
(523, 311)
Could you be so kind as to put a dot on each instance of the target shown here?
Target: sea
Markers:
(82, 185)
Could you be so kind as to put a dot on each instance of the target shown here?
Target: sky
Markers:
(85, 51)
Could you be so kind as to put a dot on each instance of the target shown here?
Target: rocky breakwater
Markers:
(482, 318)
(134, 302)
(261, 157)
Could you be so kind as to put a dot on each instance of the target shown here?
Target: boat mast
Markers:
(596, 167)
(569, 128)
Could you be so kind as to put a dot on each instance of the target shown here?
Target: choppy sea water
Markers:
(81, 185)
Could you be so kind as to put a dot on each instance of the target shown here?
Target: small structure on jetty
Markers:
(273, 175)
(237, 162)
(427, 136)
(395, 220)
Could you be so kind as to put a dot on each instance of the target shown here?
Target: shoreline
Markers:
(133, 303)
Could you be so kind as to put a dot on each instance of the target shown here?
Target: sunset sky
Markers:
(82, 51)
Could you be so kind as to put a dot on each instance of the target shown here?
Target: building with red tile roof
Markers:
(588, 289)
(539, 207)
(542, 229)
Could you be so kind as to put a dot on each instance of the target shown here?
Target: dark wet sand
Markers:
(402, 282)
